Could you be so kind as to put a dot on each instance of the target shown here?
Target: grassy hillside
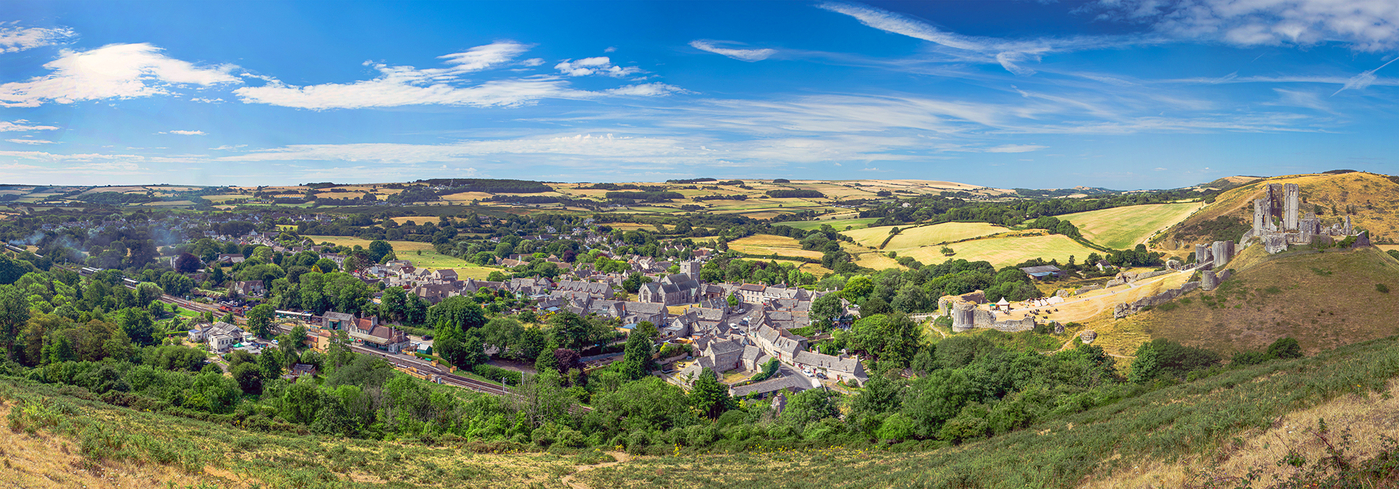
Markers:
(1324, 300)
(1122, 228)
(1221, 425)
(1372, 200)
(57, 438)
(1174, 437)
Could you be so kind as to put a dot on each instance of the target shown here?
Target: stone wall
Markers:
(966, 316)
(1123, 310)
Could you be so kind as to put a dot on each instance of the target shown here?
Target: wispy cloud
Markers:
(1363, 80)
(1015, 148)
(183, 133)
(30, 141)
(749, 55)
(1010, 54)
(23, 125)
(404, 85)
(1366, 25)
(600, 65)
(112, 71)
(14, 39)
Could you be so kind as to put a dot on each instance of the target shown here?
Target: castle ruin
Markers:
(1283, 203)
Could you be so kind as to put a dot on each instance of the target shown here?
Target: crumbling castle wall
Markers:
(1208, 280)
(966, 316)
(1123, 310)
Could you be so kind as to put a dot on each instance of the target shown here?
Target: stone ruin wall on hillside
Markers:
(966, 315)
(1278, 223)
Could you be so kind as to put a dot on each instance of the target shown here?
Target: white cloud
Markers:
(207, 100)
(112, 71)
(23, 125)
(385, 92)
(1366, 25)
(654, 89)
(13, 39)
(30, 141)
(533, 62)
(749, 55)
(600, 65)
(474, 59)
(610, 49)
(228, 147)
(405, 85)
(1015, 148)
(183, 133)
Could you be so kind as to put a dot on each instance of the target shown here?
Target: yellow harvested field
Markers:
(869, 237)
(1006, 251)
(423, 255)
(914, 237)
(1124, 227)
(876, 260)
(941, 233)
(629, 226)
(767, 244)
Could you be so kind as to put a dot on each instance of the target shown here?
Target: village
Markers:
(729, 327)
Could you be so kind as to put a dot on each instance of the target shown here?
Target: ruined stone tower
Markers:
(1348, 228)
(1208, 280)
(963, 317)
(1289, 206)
(1223, 251)
(1202, 253)
(1260, 216)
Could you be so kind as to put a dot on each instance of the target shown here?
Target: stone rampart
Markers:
(1123, 310)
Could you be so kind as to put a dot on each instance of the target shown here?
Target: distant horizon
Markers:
(1023, 93)
(661, 181)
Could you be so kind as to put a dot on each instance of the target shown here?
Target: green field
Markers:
(1004, 251)
(421, 254)
(1122, 228)
(838, 224)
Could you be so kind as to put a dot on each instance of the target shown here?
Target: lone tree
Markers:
(636, 356)
(187, 263)
(710, 396)
(260, 319)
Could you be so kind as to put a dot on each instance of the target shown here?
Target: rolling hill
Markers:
(1323, 299)
(1371, 199)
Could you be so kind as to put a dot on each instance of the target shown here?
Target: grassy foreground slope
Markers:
(59, 438)
(1324, 300)
(1192, 426)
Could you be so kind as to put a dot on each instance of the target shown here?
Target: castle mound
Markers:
(1323, 299)
(1370, 199)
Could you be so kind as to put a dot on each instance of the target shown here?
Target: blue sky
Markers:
(1114, 93)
